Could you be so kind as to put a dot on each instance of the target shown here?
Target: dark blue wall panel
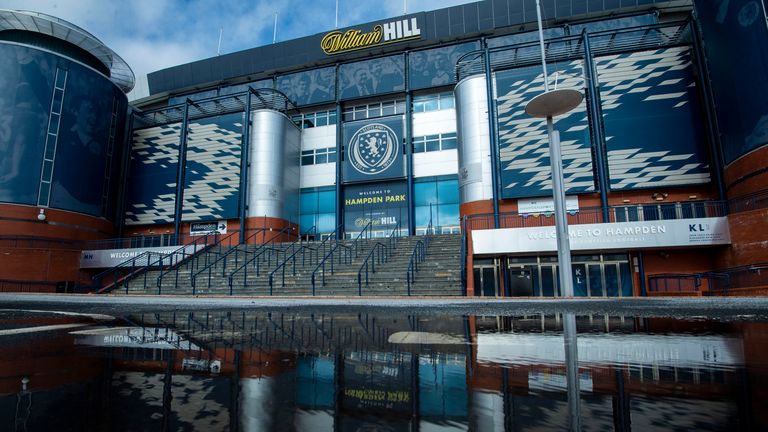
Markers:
(652, 119)
(736, 44)
(26, 86)
(523, 143)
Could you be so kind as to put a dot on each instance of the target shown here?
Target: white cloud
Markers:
(155, 34)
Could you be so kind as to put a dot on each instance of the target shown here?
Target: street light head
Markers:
(553, 103)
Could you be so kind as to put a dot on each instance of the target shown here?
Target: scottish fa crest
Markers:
(373, 149)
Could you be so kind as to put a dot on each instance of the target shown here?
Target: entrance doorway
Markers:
(486, 277)
(596, 275)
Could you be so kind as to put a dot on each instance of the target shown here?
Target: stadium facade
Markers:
(413, 124)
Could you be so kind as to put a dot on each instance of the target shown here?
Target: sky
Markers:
(156, 34)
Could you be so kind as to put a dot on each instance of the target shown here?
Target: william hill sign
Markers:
(337, 42)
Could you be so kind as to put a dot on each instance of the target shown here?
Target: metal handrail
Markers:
(329, 257)
(301, 249)
(463, 255)
(257, 253)
(418, 255)
(175, 261)
(382, 257)
(656, 210)
(192, 264)
(718, 281)
(130, 267)
(222, 257)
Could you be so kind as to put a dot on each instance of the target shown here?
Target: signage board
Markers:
(384, 205)
(107, 258)
(373, 35)
(545, 205)
(374, 149)
(212, 227)
(622, 235)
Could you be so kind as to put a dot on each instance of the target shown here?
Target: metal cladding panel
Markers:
(652, 119)
(212, 176)
(474, 140)
(523, 142)
(455, 23)
(152, 188)
(273, 177)
(736, 44)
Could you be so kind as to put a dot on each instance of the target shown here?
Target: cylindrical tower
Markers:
(63, 111)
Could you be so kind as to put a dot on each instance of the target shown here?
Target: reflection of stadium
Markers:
(200, 370)
(663, 161)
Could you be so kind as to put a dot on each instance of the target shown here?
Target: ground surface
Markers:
(740, 308)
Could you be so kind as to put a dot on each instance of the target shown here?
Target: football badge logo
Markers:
(373, 149)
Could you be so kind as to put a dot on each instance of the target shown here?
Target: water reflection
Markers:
(257, 371)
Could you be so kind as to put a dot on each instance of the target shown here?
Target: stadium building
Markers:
(413, 125)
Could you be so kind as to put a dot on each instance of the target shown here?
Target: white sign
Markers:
(202, 228)
(674, 349)
(621, 235)
(107, 258)
(545, 205)
(136, 337)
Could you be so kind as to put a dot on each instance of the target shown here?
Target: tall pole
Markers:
(274, 31)
(558, 191)
(337, 14)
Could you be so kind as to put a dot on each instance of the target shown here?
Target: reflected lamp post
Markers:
(548, 105)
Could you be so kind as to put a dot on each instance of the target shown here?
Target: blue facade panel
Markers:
(70, 133)
(26, 89)
(652, 119)
(523, 142)
(736, 43)
(212, 178)
(154, 162)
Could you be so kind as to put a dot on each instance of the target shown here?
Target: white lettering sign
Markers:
(622, 235)
(111, 257)
(545, 205)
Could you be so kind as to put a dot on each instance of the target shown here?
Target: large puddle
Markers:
(284, 371)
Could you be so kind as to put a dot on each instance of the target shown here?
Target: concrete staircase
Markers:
(438, 275)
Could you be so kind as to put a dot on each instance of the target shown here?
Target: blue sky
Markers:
(155, 34)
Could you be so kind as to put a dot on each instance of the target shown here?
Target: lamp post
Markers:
(548, 105)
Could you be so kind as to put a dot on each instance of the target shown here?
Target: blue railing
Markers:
(142, 263)
(718, 282)
(194, 263)
(346, 252)
(418, 255)
(295, 248)
(379, 254)
(263, 252)
(222, 259)
(463, 255)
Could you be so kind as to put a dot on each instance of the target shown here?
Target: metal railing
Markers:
(348, 253)
(379, 254)
(194, 262)
(754, 201)
(418, 256)
(719, 282)
(142, 263)
(264, 253)
(10, 285)
(295, 249)
(222, 259)
(589, 215)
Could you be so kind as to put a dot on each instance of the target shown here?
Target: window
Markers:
(429, 143)
(318, 209)
(315, 119)
(373, 110)
(436, 199)
(433, 102)
(318, 156)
